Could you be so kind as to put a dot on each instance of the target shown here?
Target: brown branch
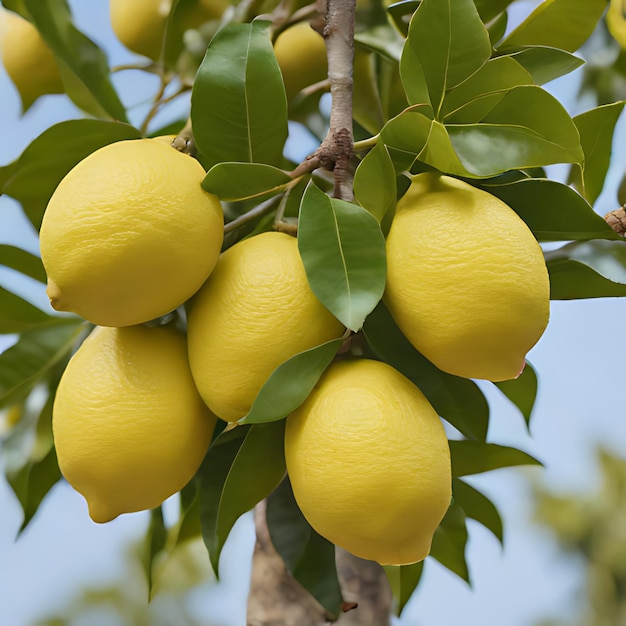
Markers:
(617, 220)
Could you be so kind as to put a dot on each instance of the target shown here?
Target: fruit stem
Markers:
(364, 144)
(258, 211)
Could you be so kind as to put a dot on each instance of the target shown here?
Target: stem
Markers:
(364, 144)
(258, 211)
(336, 150)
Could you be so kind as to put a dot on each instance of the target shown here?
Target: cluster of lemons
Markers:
(129, 235)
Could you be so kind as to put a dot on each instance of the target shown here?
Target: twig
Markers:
(258, 211)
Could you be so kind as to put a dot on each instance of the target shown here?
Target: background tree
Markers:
(497, 127)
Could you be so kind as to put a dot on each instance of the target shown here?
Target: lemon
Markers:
(129, 234)
(140, 24)
(28, 60)
(129, 426)
(255, 312)
(301, 55)
(369, 462)
(466, 279)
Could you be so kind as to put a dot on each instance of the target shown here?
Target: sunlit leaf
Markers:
(239, 181)
(587, 269)
(552, 210)
(478, 507)
(241, 468)
(564, 24)
(449, 542)
(458, 400)
(83, 58)
(343, 251)
(545, 64)
(375, 182)
(22, 261)
(308, 556)
(450, 43)
(596, 128)
(36, 352)
(403, 580)
(475, 457)
(522, 391)
(291, 383)
(36, 173)
(238, 102)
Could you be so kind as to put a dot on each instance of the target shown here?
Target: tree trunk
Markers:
(277, 599)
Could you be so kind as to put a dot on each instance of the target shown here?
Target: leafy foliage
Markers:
(438, 86)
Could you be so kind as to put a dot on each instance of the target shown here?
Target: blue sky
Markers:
(577, 360)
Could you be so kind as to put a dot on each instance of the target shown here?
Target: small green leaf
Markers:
(450, 43)
(375, 182)
(449, 542)
(488, 9)
(596, 128)
(41, 167)
(552, 210)
(18, 315)
(85, 61)
(155, 540)
(308, 556)
(343, 251)
(241, 181)
(475, 457)
(473, 99)
(478, 507)
(291, 383)
(527, 128)
(22, 261)
(522, 391)
(563, 24)
(458, 400)
(36, 352)
(241, 468)
(403, 580)
(587, 269)
(545, 64)
(238, 102)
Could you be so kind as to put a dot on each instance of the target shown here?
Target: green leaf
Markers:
(564, 24)
(475, 457)
(238, 102)
(291, 383)
(478, 507)
(375, 182)
(450, 43)
(471, 101)
(589, 269)
(85, 61)
(522, 391)
(405, 136)
(36, 352)
(343, 251)
(33, 470)
(403, 580)
(527, 128)
(22, 261)
(308, 556)
(553, 211)
(596, 128)
(241, 181)
(155, 540)
(488, 9)
(449, 542)
(18, 315)
(241, 468)
(34, 176)
(545, 64)
(458, 400)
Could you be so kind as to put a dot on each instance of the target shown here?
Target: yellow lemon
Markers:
(140, 24)
(129, 234)
(28, 60)
(301, 55)
(466, 279)
(255, 312)
(369, 462)
(129, 426)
